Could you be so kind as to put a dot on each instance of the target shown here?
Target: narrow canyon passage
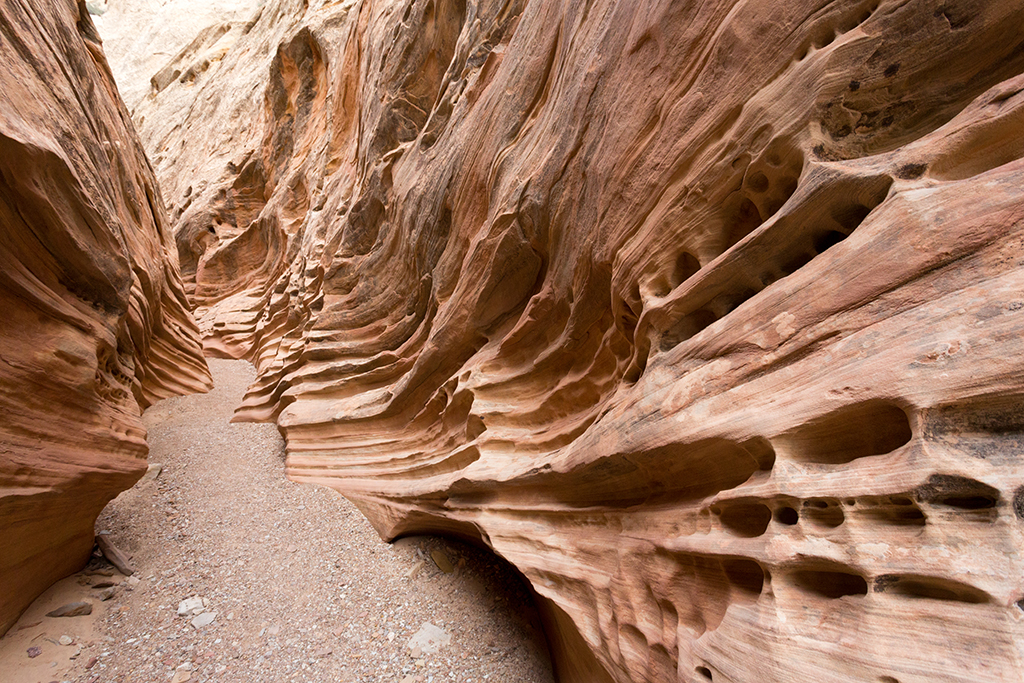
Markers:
(302, 587)
(706, 317)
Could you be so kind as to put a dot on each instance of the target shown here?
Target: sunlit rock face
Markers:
(707, 316)
(140, 36)
(95, 322)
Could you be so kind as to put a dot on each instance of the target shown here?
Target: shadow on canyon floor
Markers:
(302, 587)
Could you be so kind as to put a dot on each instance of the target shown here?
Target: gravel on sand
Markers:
(287, 582)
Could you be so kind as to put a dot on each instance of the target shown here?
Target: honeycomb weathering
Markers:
(95, 322)
(706, 316)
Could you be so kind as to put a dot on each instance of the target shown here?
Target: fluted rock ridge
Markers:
(706, 316)
(95, 321)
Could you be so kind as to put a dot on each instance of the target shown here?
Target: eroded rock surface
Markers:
(706, 316)
(95, 321)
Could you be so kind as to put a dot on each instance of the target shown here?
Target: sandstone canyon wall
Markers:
(95, 321)
(705, 315)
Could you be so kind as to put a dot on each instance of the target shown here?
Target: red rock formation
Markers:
(96, 326)
(706, 316)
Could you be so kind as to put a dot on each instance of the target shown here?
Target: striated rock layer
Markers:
(707, 316)
(95, 321)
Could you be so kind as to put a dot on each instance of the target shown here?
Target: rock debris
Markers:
(244, 576)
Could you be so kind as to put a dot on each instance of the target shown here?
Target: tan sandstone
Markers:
(95, 321)
(706, 316)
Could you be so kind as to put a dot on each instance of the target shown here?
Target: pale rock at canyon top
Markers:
(141, 36)
(95, 322)
(706, 316)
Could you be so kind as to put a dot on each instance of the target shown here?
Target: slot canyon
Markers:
(706, 317)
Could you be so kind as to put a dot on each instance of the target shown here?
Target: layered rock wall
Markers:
(706, 316)
(95, 321)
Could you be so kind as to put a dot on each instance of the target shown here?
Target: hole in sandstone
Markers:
(824, 39)
(846, 217)
(797, 261)
(986, 416)
(789, 245)
(746, 575)
(741, 219)
(828, 240)
(787, 516)
(705, 672)
(852, 432)
(660, 287)
(1018, 503)
(1007, 95)
(829, 515)
(893, 513)
(930, 588)
(761, 450)
(958, 492)
(853, 201)
(887, 679)
(758, 182)
(687, 265)
(830, 584)
(851, 215)
(969, 502)
(474, 427)
(688, 326)
(989, 428)
(667, 474)
(727, 303)
(697, 321)
(746, 519)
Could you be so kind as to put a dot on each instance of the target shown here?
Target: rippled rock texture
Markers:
(707, 316)
(95, 322)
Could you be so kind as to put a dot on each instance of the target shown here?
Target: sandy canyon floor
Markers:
(300, 586)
